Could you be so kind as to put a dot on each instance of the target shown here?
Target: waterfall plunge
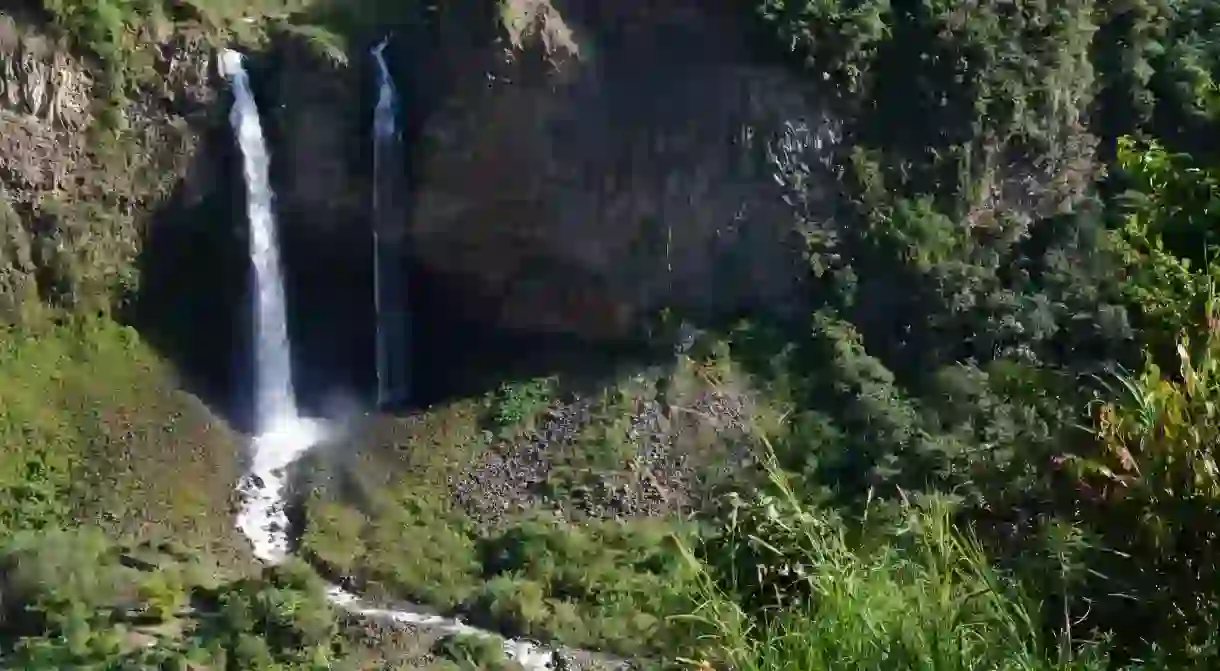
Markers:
(282, 434)
(389, 298)
(274, 402)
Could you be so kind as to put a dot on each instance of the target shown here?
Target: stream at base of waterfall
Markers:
(283, 435)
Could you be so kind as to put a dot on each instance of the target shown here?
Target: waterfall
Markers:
(281, 434)
(274, 401)
(389, 296)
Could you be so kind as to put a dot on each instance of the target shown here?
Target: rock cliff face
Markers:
(572, 167)
(44, 101)
(588, 166)
(72, 200)
(603, 160)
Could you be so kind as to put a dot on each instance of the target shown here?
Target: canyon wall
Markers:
(578, 168)
(600, 161)
(572, 167)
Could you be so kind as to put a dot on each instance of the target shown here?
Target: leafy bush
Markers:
(415, 547)
(485, 653)
(1158, 64)
(1168, 239)
(163, 594)
(1151, 493)
(839, 38)
(945, 94)
(516, 405)
(602, 584)
(51, 578)
(284, 617)
(915, 594)
(68, 601)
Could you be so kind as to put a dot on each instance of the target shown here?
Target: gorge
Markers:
(502, 334)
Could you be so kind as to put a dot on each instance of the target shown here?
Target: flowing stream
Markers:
(282, 434)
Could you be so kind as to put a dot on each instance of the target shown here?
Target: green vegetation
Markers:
(990, 439)
(518, 405)
(85, 412)
(914, 593)
(604, 584)
(963, 335)
(123, 35)
(475, 652)
(71, 602)
(608, 585)
(601, 456)
(1167, 239)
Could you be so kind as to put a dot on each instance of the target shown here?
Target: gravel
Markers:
(665, 469)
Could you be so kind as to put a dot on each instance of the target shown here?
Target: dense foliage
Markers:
(73, 600)
(606, 585)
(994, 280)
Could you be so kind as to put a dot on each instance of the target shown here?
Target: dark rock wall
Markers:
(317, 118)
(571, 167)
(602, 161)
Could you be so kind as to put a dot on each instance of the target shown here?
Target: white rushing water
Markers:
(388, 289)
(274, 401)
(282, 434)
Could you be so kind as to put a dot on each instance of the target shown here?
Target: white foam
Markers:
(229, 62)
(262, 517)
(525, 653)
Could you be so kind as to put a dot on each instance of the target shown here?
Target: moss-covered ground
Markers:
(94, 428)
(96, 432)
(488, 508)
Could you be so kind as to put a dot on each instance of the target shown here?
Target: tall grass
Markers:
(917, 595)
(1148, 487)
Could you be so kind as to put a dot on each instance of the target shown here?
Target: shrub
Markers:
(1151, 491)
(516, 405)
(919, 594)
(1168, 239)
(163, 594)
(475, 652)
(606, 584)
(50, 578)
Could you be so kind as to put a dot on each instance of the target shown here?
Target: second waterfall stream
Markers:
(389, 295)
(282, 434)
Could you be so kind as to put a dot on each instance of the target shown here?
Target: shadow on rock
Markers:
(457, 355)
(192, 303)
